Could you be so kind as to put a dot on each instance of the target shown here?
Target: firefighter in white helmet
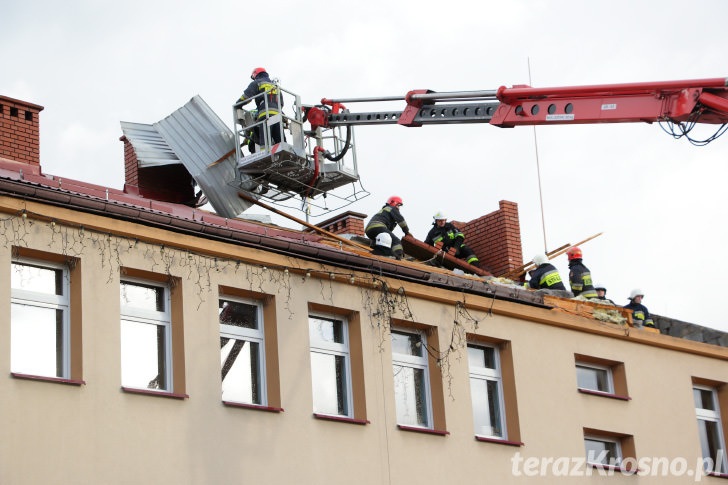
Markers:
(640, 314)
(545, 276)
(450, 237)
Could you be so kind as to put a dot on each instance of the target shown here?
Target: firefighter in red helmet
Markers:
(385, 220)
(268, 105)
(579, 275)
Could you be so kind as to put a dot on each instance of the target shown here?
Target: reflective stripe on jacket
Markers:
(450, 236)
(388, 217)
(581, 280)
(263, 84)
(640, 314)
(546, 276)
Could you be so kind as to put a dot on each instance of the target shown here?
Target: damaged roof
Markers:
(114, 203)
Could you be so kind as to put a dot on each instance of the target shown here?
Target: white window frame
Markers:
(249, 335)
(414, 362)
(151, 317)
(606, 368)
(46, 300)
(487, 374)
(714, 416)
(605, 439)
(331, 348)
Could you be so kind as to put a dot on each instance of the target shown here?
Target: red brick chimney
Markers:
(19, 133)
(346, 223)
(167, 183)
(496, 238)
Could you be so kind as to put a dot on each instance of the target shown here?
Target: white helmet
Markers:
(384, 239)
(540, 259)
(600, 287)
(635, 293)
(440, 216)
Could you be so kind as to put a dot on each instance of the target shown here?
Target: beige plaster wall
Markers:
(96, 433)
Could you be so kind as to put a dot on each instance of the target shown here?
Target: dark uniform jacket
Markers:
(546, 277)
(261, 84)
(387, 218)
(640, 314)
(581, 280)
(449, 235)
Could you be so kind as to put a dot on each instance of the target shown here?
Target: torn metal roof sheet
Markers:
(149, 146)
(196, 137)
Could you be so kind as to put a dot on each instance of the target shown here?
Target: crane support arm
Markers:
(699, 100)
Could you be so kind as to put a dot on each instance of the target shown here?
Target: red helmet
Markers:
(257, 71)
(574, 253)
(394, 201)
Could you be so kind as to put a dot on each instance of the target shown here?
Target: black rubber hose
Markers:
(346, 147)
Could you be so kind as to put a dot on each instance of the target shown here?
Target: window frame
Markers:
(248, 335)
(414, 362)
(597, 367)
(331, 348)
(48, 301)
(605, 439)
(151, 317)
(714, 416)
(488, 374)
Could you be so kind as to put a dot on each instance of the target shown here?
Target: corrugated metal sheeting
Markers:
(150, 148)
(196, 137)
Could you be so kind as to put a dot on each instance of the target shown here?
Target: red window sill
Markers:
(499, 441)
(252, 406)
(423, 430)
(58, 380)
(717, 475)
(604, 394)
(343, 419)
(172, 395)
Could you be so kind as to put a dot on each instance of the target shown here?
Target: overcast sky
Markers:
(659, 201)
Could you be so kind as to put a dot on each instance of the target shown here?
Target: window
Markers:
(710, 428)
(607, 449)
(486, 391)
(242, 351)
(601, 450)
(594, 377)
(330, 366)
(411, 381)
(602, 377)
(39, 319)
(146, 336)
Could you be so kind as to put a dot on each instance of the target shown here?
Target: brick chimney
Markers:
(19, 134)
(346, 223)
(167, 183)
(496, 238)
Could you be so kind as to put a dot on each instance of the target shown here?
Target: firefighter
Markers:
(383, 245)
(451, 237)
(545, 276)
(640, 314)
(579, 275)
(267, 105)
(385, 220)
(602, 293)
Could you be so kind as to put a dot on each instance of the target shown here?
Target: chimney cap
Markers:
(32, 106)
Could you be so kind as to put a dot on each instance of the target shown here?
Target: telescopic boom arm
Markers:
(678, 102)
